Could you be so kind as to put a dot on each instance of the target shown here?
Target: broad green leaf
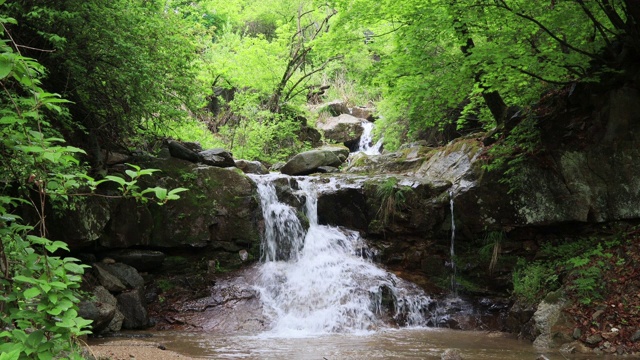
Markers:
(24, 279)
(74, 268)
(35, 338)
(58, 285)
(12, 355)
(52, 247)
(177, 190)
(132, 174)
(30, 293)
(116, 179)
(161, 193)
(6, 65)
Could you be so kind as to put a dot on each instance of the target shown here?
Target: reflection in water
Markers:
(389, 344)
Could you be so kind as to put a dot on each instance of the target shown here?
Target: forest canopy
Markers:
(229, 72)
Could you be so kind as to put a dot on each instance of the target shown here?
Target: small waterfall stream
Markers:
(366, 144)
(319, 281)
(452, 251)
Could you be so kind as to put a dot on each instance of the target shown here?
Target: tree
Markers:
(512, 51)
(126, 65)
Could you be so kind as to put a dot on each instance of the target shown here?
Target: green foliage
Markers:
(532, 281)
(392, 199)
(511, 155)
(263, 135)
(127, 65)
(39, 290)
(576, 265)
(434, 61)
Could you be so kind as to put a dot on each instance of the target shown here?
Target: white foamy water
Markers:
(366, 144)
(319, 282)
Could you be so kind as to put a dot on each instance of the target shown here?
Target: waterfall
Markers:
(366, 140)
(452, 250)
(319, 280)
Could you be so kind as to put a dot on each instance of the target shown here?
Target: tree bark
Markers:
(492, 98)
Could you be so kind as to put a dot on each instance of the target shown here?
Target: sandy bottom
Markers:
(132, 349)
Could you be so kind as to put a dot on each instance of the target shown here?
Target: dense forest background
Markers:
(238, 74)
(80, 78)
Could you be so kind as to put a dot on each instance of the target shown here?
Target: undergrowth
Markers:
(577, 266)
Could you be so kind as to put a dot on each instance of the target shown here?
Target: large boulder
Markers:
(126, 274)
(100, 313)
(309, 161)
(335, 108)
(82, 226)
(217, 157)
(345, 129)
(219, 207)
(251, 167)
(180, 151)
(363, 112)
(103, 296)
(341, 151)
(132, 305)
(219, 211)
(142, 260)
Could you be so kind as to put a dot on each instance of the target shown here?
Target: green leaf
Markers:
(35, 338)
(161, 193)
(12, 355)
(30, 293)
(53, 297)
(52, 247)
(177, 190)
(6, 65)
(116, 179)
(74, 268)
(45, 355)
(24, 279)
(55, 311)
(132, 174)
(58, 285)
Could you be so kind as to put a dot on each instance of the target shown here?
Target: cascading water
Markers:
(321, 282)
(366, 144)
(452, 250)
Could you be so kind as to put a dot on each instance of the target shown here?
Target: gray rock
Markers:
(127, 275)
(251, 167)
(345, 129)
(277, 166)
(108, 280)
(549, 318)
(83, 225)
(636, 336)
(105, 297)
(179, 151)
(341, 151)
(217, 157)
(328, 169)
(363, 112)
(116, 323)
(142, 260)
(112, 157)
(100, 313)
(309, 161)
(131, 305)
(335, 108)
(192, 145)
(593, 339)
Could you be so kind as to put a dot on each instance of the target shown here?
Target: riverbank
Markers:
(131, 350)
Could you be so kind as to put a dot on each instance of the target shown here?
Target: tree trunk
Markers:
(492, 98)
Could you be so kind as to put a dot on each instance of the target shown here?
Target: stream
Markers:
(407, 343)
